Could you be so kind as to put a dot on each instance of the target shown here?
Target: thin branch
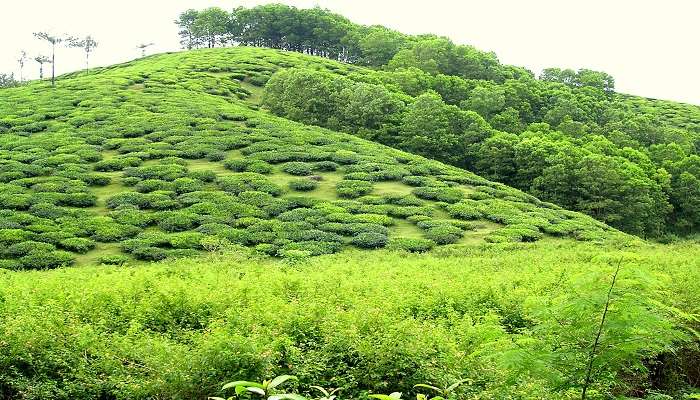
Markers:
(591, 355)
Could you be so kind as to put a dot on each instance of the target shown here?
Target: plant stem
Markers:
(591, 356)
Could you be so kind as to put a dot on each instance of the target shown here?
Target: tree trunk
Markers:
(53, 65)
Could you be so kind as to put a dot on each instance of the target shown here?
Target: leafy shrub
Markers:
(298, 168)
(248, 165)
(414, 245)
(78, 245)
(466, 209)
(176, 221)
(442, 233)
(370, 240)
(446, 194)
(247, 181)
(353, 188)
(326, 166)
(303, 185)
(46, 260)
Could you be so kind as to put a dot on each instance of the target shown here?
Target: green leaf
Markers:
(256, 390)
(322, 390)
(280, 380)
(454, 385)
(423, 385)
(241, 383)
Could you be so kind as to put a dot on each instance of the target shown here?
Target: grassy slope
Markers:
(193, 105)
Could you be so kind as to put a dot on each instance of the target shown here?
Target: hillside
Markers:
(170, 155)
(440, 275)
(565, 136)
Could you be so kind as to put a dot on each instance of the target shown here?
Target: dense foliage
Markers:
(512, 327)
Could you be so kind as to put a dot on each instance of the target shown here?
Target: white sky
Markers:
(651, 47)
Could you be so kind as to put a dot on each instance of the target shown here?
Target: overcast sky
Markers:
(651, 47)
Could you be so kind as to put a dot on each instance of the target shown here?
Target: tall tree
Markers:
(211, 26)
(53, 41)
(42, 60)
(22, 58)
(185, 22)
(88, 44)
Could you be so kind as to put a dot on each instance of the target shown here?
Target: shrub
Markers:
(78, 245)
(326, 166)
(46, 260)
(353, 188)
(24, 248)
(303, 184)
(444, 233)
(466, 209)
(176, 221)
(345, 157)
(151, 185)
(248, 165)
(149, 253)
(370, 240)
(414, 245)
(297, 168)
(247, 181)
(445, 194)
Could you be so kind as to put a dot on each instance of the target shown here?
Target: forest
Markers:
(565, 136)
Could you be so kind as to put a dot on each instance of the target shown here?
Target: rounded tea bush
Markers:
(298, 168)
(353, 189)
(414, 245)
(370, 240)
(303, 184)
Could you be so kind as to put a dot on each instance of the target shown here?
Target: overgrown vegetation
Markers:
(515, 320)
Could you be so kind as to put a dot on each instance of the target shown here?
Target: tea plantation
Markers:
(289, 248)
(171, 155)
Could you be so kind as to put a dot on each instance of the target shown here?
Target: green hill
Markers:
(173, 156)
(170, 155)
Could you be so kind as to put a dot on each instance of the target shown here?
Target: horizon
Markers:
(634, 56)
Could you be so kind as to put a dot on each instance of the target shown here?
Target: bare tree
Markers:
(88, 44)
(42, 60)
(53, 40)
(22, 58)
(143, 47)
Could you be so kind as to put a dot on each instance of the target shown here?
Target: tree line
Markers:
(319, 32)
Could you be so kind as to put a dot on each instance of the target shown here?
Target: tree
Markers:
(444, 132)
(380, 45)
(42, 60)
(211, 26)
(53, 41)
(143, 47)
(88, 44)
(22, 58)
(185, 22)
